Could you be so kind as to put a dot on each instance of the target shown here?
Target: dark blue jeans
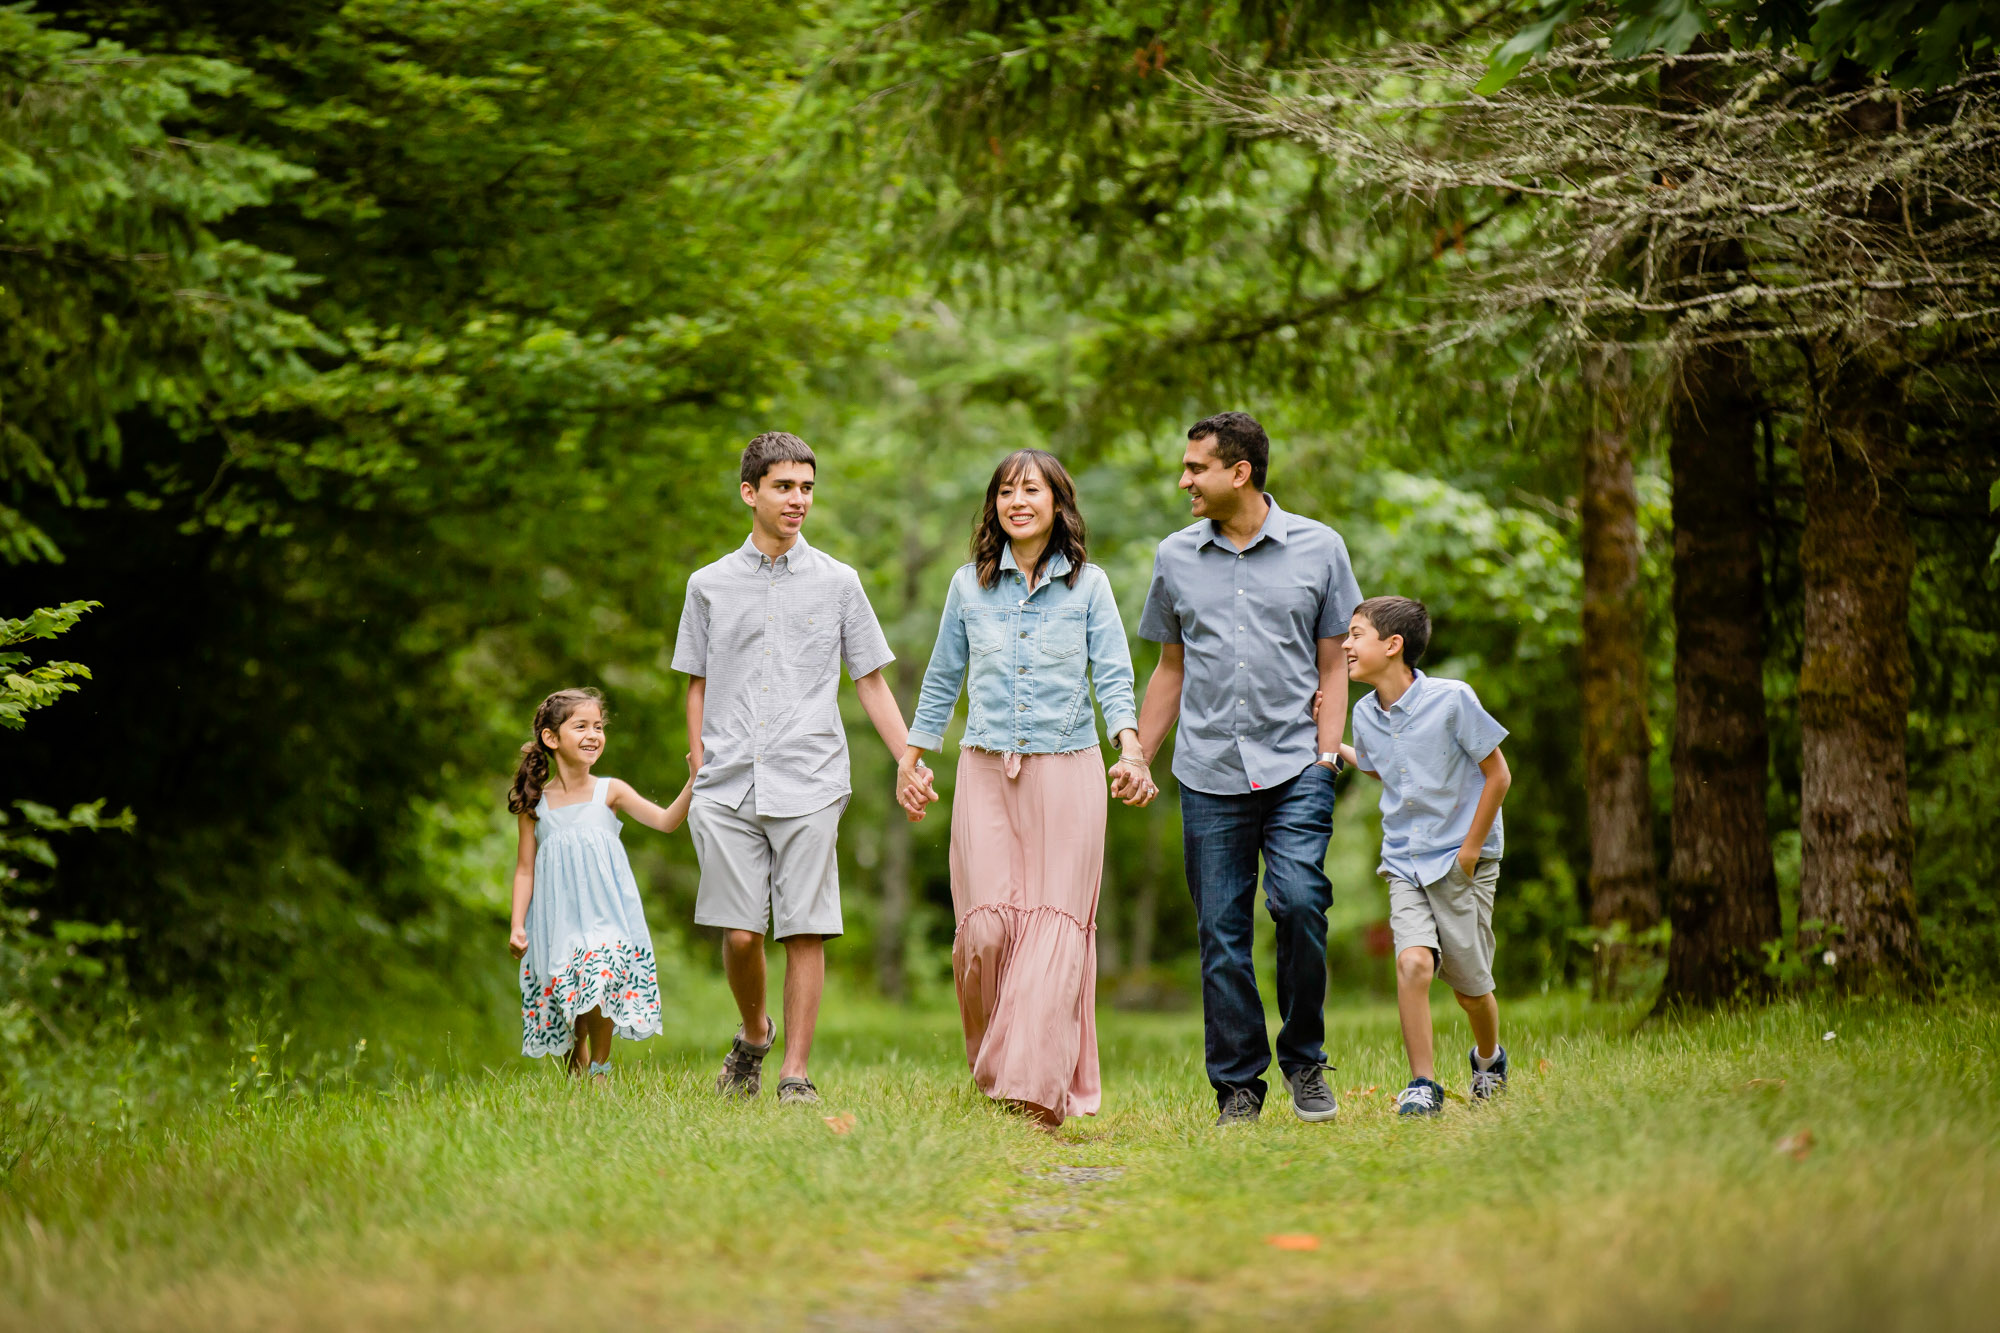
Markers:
(1222, 836)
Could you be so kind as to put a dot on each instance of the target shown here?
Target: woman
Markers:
(1029, 628)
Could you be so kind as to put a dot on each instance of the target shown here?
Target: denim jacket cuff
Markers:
(927, 740)
(1120, 723)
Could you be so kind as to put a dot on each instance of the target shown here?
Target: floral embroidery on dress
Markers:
(617, 977)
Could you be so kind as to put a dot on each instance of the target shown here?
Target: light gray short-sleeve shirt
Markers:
(769, 637)
(1427, 747)
(1250, 623)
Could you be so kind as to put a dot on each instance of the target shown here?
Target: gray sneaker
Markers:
(743, 1068)
(797, 1092)
(1312, 1100)
(1242, 1108)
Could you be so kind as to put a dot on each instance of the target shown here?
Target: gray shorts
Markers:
(779, 877)
(1453, 918)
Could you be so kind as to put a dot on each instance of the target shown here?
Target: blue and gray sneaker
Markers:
(1487, 1082)
(1422, 1097)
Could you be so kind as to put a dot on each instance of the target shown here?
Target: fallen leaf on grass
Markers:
(1542, 1066)
(1362, 1092)
(1292, 1241)
(841, 1123)
(1798, 1144)
(1772, 1083)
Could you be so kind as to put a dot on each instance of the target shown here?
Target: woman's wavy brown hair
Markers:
(532, 774)
(989, 539)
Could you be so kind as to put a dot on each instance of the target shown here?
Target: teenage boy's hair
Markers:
(1400, 615)
(773, 447)
(1238, 439)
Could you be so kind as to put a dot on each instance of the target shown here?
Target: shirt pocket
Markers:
(1061, 636)
(985, 632)
(811, 633)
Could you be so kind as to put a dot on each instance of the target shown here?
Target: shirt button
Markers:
(1024, 634)
(1022, 602)
(1239, 592)
(1024, 671)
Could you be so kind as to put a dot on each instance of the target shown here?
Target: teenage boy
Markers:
(1249, 606)
(1437, 753)
(762, 637)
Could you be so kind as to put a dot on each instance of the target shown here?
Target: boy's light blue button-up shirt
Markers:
(1426, 747)
(1250, 623)
(1028, 661)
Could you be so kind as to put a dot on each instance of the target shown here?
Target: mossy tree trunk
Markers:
(1722, 892)
(1623, 888)
(1857, 899)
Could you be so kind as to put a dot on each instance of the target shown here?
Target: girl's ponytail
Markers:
(532, 774)
(529, 778)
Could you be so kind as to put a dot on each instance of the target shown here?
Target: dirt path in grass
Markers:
(1025, 1227)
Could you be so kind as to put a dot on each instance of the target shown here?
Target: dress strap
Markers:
(597, 796)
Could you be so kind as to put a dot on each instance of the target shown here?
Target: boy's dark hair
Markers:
(1400, 615)
(774, 446)
(1238, 439)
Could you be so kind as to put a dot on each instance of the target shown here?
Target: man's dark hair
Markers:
(774, 446)
(1238, 439)
(1400, 615)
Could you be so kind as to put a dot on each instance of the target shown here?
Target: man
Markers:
(762, 636)
(1249, 607)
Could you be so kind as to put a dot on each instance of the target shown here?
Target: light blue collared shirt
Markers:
(1250, 623)
(1426, 747)
(1027, 661)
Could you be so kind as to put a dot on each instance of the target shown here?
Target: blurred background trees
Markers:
(380, 366)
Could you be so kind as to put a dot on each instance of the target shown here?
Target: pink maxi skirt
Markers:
(1027, 852)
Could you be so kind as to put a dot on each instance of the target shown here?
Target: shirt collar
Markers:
(797, 559)
(1408, 697)
(1057, 566)
(1277, 527)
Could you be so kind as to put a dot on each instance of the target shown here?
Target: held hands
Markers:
(915, 786)
(1132, 780)
(517, 941)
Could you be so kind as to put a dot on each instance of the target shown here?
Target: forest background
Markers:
(376, 368)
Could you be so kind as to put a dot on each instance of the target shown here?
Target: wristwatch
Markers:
(1330, 758)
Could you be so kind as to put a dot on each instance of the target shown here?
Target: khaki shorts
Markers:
(777, 877)
(1453, 918)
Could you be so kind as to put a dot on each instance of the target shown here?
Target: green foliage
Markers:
(24, 688)
(119, 289)
(1915, 43)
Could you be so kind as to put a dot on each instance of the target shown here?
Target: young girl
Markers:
(586, 956)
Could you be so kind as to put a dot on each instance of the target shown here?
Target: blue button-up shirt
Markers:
(1426, 748)
(1027, 655)
(1250, 623)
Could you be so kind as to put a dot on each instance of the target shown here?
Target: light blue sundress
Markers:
(588, 946)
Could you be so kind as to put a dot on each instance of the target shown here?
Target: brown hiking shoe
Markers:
(743, 1068)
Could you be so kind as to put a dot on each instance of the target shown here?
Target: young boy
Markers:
(1437, 753)
(762, 635)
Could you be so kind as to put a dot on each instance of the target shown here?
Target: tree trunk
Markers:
(1615, 740)
(892, 925)
(1722, 892)
(1857, 900)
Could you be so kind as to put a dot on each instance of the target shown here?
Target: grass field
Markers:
(1632, 1178)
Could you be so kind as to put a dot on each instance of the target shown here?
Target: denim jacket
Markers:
(1027, 654)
